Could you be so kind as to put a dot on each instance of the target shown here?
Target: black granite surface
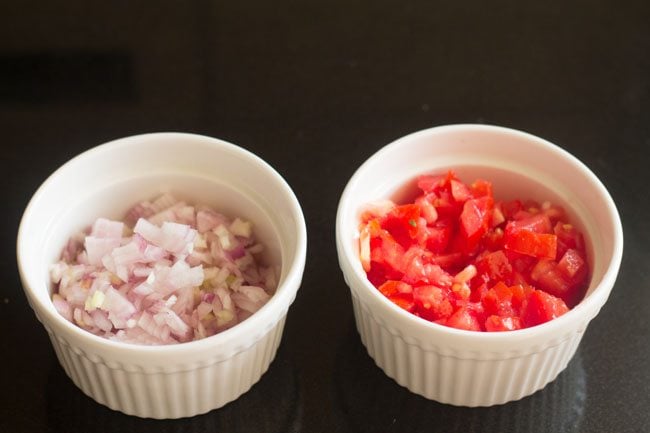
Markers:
(314, 88)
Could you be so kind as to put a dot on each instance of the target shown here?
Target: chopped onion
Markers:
(171, 273)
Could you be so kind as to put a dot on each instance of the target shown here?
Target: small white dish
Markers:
(468, 368)
(177, 380)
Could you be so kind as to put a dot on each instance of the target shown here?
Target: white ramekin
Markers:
(468, 368)
(178, 380)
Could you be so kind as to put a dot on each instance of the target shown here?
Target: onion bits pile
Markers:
(170, 273)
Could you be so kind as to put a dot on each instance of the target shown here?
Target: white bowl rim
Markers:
(242, 330)
(587, 307)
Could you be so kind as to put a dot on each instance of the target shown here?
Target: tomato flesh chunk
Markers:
(432, 302)
(474, 222)
(542, 307)
(532, 244)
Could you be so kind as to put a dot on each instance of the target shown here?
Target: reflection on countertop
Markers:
(271, 405)
(372, 402)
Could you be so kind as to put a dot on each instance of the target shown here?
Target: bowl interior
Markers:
(106, 181)
(519, 165)
(115, 199)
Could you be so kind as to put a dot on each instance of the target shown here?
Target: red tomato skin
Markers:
(549, 278)
(434, 183)
(571, 264)
(427, 209)
(449, 261)
(498, 301)
(446, 206)
(481, 188)
(439, 236)
(501, 324)
(399, 293)
(401, 223)
(403, 301)
(495, 266)
(538, 223)
(540, 307)
(386, 250)
(432, 303)
(463, 319)
(393, 287)
(531, 243)
(474, 222)
(568, 238)
(510, 208)
(555, 213)
(459, 191)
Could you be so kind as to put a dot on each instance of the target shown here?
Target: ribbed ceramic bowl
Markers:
(177, 380)
(468, 368)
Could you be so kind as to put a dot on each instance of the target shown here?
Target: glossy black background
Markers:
(315, 88)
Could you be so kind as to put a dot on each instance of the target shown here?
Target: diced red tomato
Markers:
(448, 261)
(554, 213)
(540, 307)
(493, 239)
(384, 249)
(459, 191)
(474, 222)
(464, 319)
(393, 287)
(401, 223)
(458, 258)
(446, 206)
(495, 266)
(498, 217)
(510, 208)
(531, 243)
(537, 223)
(498, 300)
(400, 293)
(432, 303)
(439, 235)
(571, 264)
(481, 188)
(498, 323)
(427, 209)
(568, 237)
(428, 183)
(566, 279)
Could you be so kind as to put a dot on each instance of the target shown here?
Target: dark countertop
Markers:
(315, 89)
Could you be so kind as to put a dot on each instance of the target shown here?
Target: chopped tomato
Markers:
(401, 223)
(432, 303)
(459, 191)
(498, 300)
(439, 235)
(427, 209)
(554, 213)
(498, 323)
(464, 319)
(571, 264)
(458, 258)
(540, 307)
(530, 243)
(495, 266)
(493, 239)
(568, 237)
(474, 222)
(400, 293)
(428, 183)
(510, 208)
(537, 223)
(481, 188)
